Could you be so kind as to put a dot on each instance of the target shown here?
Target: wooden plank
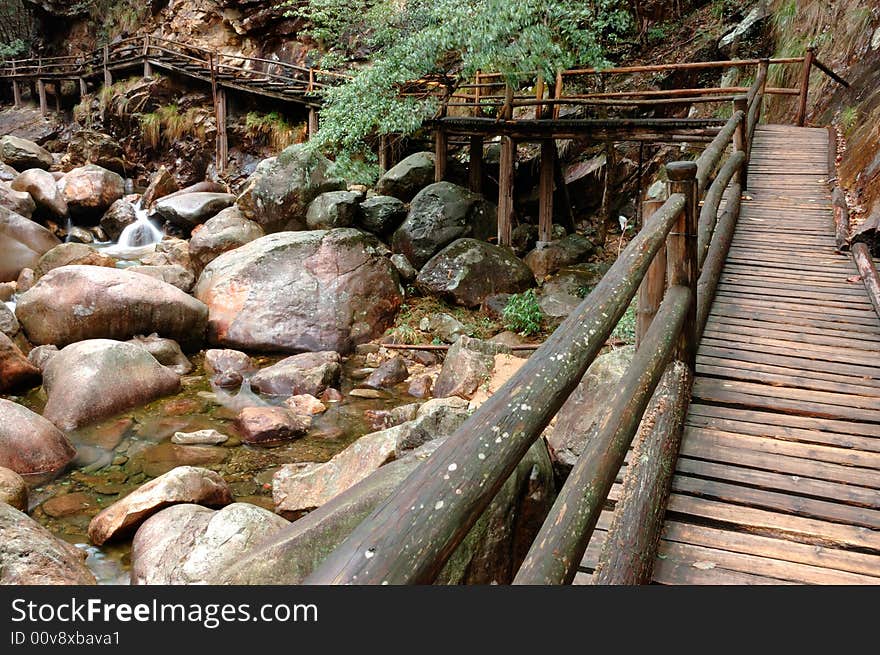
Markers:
(786, 426)
(779, 377)
(672, 572)
(760, 354)
(762, 521)
(841, 314)
(845, 464)
(794, 317)
(787, 323)
(823, 397)
(839, 339)
(718, 557)
(792, 484)
(816, 352)
(785, 505)
(828, 298)
(832, 560)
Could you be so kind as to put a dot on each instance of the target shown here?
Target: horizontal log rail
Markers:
(409, 537)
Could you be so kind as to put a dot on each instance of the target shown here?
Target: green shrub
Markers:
(523, 314)
(626, 329)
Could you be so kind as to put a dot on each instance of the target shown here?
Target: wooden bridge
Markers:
(742, 445)
(267, 78)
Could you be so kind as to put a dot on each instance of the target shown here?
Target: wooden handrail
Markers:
(711, 202)
(408, 538)
(708, 160)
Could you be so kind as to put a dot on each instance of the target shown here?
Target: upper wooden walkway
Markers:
(778, 475)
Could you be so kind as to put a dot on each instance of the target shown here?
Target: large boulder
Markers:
(22, 242)
(9, 325)
(309, 373)
(7, 173)
(440, 214)
(73, 303)
(279, 191)
(382, 214)
(299, 488)
(68, 254)
(468, 364)
(20, 202)
(548, 258)
(16, 372)
(187, 544)
(333, 209)
(29, 444)
(42, 187)
(162, 183)
(491, 552)
(90, 190)
(119, 216)
(567, 438)
(467, 271)
(93, 147)
(31, 555)
(271, 425)
(13, 489)
(97, 378)
(184, 484)
(301, 291)
(166, 351)
(228, 367)
(22, 154)
(404, 180)
(226, 231)
(186, 210)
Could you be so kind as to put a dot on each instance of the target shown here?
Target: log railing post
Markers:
(545, 191)
(505, 190)
(108, 78)
(313, 122)
(557, 94)
(83, 87)
(763, 71)
(148, 68)
(809, 55)
(222, 136)
(681, 252)
(16, 90)
(475, 165)
(441, 153)
(539, 95)
(478, 80)
(741, 136)
(41, 91)
(653, 286)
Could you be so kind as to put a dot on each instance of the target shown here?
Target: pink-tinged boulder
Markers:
(97, 378)
(90, 190)
(41, 186)
(31, 555)
(20, 202)
(187, 544)
(270, 425)
(71, 254)
(22, 153)
(184, 484)
(304, 373)
(301, 291)
(29, 444)
(73, 303)
(228, 230)
(305, 404)
(13, 489)
(228, 367)
(22, 243)
(16, 372)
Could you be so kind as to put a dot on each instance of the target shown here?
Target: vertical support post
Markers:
(545, 191)
(763, 70)
(478, 80)
(557, 94)
(41, 91)
(108, 78)
(311, 80)
(653, 284)
(313, 121)
(16, 90)
(441, 151)
(681, 252)
(505, 190)
(148, 67)
(539, 95)
(607, 187)
(741, 136)
(475, 167)
(83, 87)
(507, 110)
(809, 55)
(57, 87)
(383, 153)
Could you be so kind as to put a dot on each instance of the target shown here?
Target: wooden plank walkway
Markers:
(778, 481)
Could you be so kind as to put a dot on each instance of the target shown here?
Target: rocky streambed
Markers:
(219, 406)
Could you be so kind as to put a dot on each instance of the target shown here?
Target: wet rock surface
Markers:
(29, 443)
(22, 243)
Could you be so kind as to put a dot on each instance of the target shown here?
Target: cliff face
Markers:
(256, 28)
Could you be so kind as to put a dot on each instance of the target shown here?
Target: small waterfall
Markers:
(136, 239)
(68, 229)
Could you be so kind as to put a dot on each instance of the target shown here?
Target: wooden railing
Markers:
(410, 536)
(264, 74)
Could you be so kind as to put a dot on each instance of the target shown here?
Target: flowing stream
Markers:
(137, 239)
